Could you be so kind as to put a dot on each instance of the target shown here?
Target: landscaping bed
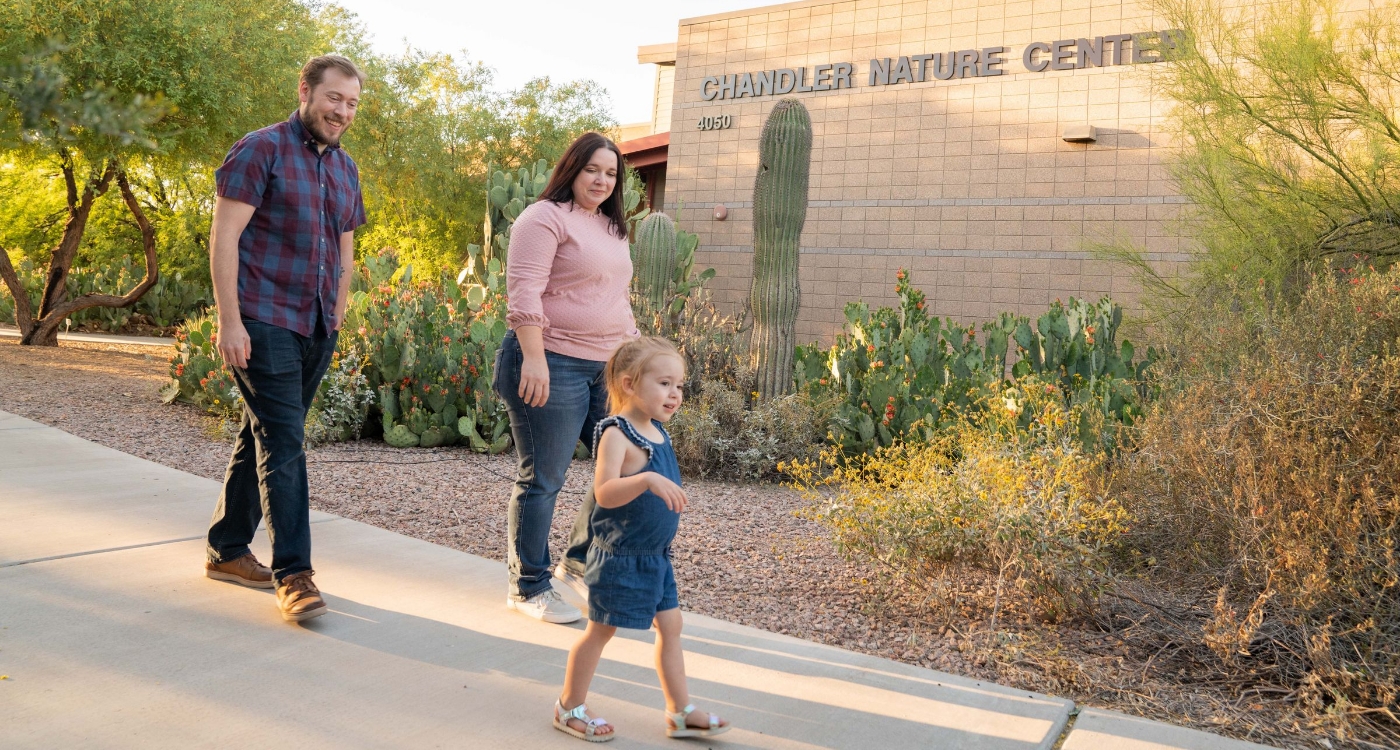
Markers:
(742, 555)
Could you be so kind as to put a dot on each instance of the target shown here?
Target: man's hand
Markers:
(234, 345)
(230, 218)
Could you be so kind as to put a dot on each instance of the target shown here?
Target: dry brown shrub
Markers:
(1263, 492)
(718, 434)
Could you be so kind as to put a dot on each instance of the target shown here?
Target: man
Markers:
(281, 252)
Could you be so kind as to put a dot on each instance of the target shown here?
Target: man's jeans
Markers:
(545, 437)
(267, 472)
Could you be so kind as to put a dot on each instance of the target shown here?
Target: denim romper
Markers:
(629, 573)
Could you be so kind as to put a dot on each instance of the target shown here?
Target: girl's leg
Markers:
(670, 660)
(670, 665)
(583, 662)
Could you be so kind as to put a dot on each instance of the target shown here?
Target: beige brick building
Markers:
(940, 145)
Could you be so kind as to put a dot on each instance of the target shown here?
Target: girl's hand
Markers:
(534, 381)
(668, 491)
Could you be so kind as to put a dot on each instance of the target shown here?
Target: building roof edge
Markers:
(755, 11)
(660, 54)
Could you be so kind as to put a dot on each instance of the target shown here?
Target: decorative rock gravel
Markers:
(742, 555)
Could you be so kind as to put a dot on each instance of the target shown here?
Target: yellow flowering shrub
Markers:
(1011, 491)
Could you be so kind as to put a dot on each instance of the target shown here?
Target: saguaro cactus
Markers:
(654, 259)
(779, 211)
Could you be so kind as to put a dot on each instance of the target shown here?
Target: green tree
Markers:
(1286, 119)
(143, 92)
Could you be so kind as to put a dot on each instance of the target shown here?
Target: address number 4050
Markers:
(717, 122)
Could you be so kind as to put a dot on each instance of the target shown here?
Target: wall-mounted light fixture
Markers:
(721, 213)
(1079, 134)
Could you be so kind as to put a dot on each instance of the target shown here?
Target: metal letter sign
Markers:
(1062, 54)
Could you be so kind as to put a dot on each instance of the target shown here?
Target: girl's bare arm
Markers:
(612, 490)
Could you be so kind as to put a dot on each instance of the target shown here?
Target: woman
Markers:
(566, 281)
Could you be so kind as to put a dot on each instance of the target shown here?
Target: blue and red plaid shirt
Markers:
(289, 255)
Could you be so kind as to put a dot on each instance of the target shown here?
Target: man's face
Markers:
(328, 109)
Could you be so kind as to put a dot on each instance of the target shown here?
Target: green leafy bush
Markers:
(900, 373)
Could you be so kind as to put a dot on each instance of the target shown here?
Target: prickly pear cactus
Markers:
(507, 196)
(779, 211)
(401, 437)
(654, 259)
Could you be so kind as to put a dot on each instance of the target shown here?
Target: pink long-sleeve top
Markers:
(567, 273)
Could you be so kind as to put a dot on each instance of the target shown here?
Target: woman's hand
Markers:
(534, 380)
(668, 491)
(534, 366)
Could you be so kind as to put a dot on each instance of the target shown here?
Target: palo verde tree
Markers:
(1286, 117)
(100, 88)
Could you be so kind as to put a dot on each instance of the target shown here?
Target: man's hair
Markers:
(315, 69)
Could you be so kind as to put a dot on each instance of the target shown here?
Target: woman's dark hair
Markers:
(561, 185)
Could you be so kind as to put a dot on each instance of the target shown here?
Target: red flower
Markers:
(446, 339)
(870, 348)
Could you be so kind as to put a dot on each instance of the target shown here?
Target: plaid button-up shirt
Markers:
(289, 255)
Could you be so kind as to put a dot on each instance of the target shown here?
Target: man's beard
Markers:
(315, 124)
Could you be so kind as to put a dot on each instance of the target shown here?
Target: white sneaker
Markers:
(546, 606)
(571, 580)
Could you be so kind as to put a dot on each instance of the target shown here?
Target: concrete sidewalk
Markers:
(100, 338)
(111, 637)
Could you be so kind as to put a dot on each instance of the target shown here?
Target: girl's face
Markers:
(596, 181)
(657, 393)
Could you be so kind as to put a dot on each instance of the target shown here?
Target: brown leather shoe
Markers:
(245, 571)
(298, 597)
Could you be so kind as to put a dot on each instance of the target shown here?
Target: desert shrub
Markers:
(198, 376)
(1264, 488)
(899, 373)
(342, 400)
(1010, 490)
(719, 434)
(711, 342)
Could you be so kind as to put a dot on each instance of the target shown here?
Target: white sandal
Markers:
(580, 712)
(678, 728)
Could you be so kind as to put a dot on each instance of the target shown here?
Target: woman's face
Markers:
(595, 183)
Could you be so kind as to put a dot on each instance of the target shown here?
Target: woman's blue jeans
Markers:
(545, 437)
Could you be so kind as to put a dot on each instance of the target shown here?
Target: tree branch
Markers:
(50, 321)
(69, 180)
(24, 314)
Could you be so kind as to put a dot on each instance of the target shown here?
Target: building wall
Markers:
(662, 99)
(967, 183)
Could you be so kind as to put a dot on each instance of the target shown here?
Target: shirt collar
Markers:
(303, 133)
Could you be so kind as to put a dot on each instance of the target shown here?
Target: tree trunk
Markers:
(56, 308)
(45, 331)
(24, 314)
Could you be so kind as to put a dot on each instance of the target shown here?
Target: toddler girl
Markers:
(639, 502)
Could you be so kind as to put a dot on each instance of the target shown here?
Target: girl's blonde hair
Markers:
(631, 361)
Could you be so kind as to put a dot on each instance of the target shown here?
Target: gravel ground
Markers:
(742, 554)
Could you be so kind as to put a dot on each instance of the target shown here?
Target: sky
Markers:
(524, 39)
